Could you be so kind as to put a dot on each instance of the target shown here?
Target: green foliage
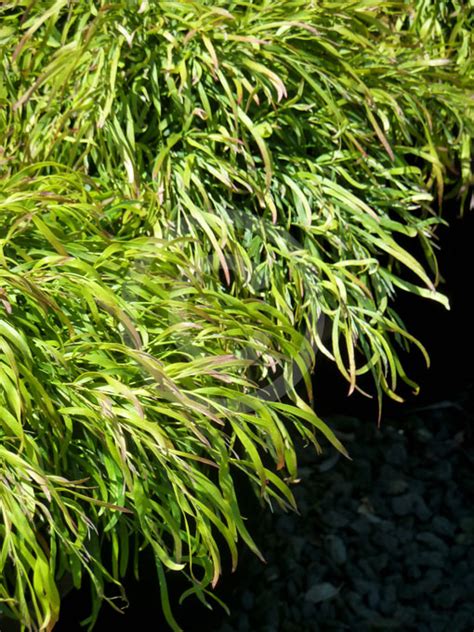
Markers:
(188, 191)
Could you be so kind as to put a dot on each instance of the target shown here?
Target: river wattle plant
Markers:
(197, 199)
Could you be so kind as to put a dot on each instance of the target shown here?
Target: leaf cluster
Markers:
(189, 191)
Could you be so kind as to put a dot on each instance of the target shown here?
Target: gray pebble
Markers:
(321, 592)
(442, 526)
(413, 571)
(406, 615)
(335, 519)
(406, 592)
(244, 623)
(404, 535)
(380, 562)
(431, 559)
(457, 552)
(432, 580)
(373, 597)
(397, 454)
(422, 511)
(388, 600)
(361, 525)
(396, 486)
(467, 524)
(443, 471)
(386, 541)
(432, 541)
(248, 600)
(447, 597)
(402, 505)
(461, 619)
(367, 569)
(423, 435)
(298, 545)
(336, 549)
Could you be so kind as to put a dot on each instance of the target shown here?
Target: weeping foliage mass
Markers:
(197, 198)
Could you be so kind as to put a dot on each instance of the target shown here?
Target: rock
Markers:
(343, 489)
(422, 511)
(432, 541)
(305, 472)
(432, 580)
(354, 599)
(462, 568)
(384, 623)
(396, 486)
(402, 505)
(361, 525)
(468, 582)
(272, 573)
(285, 524)
(461, 619)
(388, 473)
(404, 535)
(335, 519)
(410, 550)
(397, 454)
(244, 623)
(423, 474)
(380, 562)
(386, 541)
(296, 613)
(457, 552)
(442, 526)
(291, 589)
(321, 592)
(406, 615)
(366, 509)
(438, 624)
(447, 597)
(315, 574)
(435, 500)
(308, 610)
(363, 586)
(367, 570)
(248, 600)
(412, 570)
(366, 615)
(364, 472)
(326, 610)
(423, 435)
(407, 592)
(272, 617)
(336, 549)
(464, 539)
(388, 599)
(445, 449)
(467, 524)
(443, 471)
(470, 556)
(298, 545)
(431, 559)
(453, 501)
(373, 597)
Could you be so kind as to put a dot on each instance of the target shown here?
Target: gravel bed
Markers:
(385, 541)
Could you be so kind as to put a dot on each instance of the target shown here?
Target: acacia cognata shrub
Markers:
(188, 189)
